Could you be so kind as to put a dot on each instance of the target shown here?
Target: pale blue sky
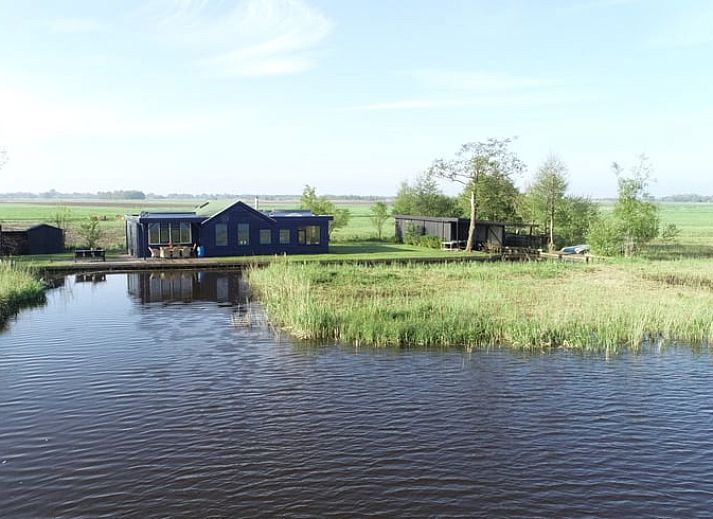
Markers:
(264, 96)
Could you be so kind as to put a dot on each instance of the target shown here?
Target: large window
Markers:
(177, 233)
(186, 233)
(165, 232)
(265, 236)
(243, 234)
(221, 234)
(284, 236)
(308, 235)
(154, 234)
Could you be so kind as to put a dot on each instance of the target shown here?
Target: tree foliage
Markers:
(424, 198)
(498, 200)
(635, 220)
(576, 215)
(379, 214)
(62, 216)
(322, 205)
(91, 232)
(548, 194)
(484, 169)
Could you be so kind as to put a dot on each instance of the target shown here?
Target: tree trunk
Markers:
(471, 227)
(551, 246)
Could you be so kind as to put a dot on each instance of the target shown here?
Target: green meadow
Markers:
(530, 305)
(663, 296)
(18, 286)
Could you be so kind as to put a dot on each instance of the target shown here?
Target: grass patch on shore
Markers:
(18, 286)
(524, 305)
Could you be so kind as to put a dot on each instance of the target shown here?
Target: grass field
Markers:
(18, 286)
(622, 302)
(695, 220)
(529, 305)
(111, 214)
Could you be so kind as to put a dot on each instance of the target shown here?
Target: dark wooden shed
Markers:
(487, 234)
(35, 239)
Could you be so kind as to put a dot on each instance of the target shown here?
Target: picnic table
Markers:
(175, 252)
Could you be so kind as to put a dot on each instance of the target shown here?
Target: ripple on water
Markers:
(115, 403)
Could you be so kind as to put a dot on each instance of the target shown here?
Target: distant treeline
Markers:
(686, 198)
(132, 194)
(122, 194)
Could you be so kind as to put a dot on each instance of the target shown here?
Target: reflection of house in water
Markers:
(186, 286)
(90, 278)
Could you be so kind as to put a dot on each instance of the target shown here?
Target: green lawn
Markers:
(695, 220)
(111, 214)
(525, 305)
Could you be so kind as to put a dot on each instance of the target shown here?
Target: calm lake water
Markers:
(165, 395)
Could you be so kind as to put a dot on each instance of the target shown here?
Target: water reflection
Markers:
(92, 277)
(187, 286)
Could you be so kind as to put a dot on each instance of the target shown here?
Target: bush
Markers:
(429, 241)
(605, 237)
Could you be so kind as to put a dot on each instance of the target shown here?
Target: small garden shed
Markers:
(33, 239)
(487, 234)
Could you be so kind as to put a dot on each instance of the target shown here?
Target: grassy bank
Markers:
(18, 287)
(524, 305)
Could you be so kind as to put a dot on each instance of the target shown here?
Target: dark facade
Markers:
(487, 234)
(237, 230)
(187, 286)
(38, 239)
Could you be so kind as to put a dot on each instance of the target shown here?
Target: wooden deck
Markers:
(133, 264)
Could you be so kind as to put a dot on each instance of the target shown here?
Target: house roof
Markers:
(183, 216)
(211, 207)
(209, 210)
(244, 206)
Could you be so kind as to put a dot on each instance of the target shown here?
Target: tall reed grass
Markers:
(524, 305)
(18, 286)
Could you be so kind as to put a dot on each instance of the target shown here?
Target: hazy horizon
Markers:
(171, 96)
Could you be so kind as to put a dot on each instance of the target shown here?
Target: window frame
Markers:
(283, 233)
(243, 234)
(224, 228)
(265, 236)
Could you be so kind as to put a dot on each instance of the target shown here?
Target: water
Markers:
(165, 395)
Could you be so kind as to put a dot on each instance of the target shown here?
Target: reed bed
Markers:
(523, 305)
(18, 286)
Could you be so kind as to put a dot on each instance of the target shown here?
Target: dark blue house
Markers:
(235, 230)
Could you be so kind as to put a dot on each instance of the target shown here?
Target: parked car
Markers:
(575, 249)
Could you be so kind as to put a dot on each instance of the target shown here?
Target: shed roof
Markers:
(25, 227)
(451, 219)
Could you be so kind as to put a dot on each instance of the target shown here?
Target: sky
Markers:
(350, 96)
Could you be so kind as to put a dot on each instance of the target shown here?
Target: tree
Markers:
(91, 231)
(424, 198)
(498, 199)
(576, 216)
(379, 215)
(634, 221)
(62, 217)
(637, 214)
(548, 194)
(322, 205)
(475, 164)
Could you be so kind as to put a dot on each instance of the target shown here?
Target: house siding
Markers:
(203, 231)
